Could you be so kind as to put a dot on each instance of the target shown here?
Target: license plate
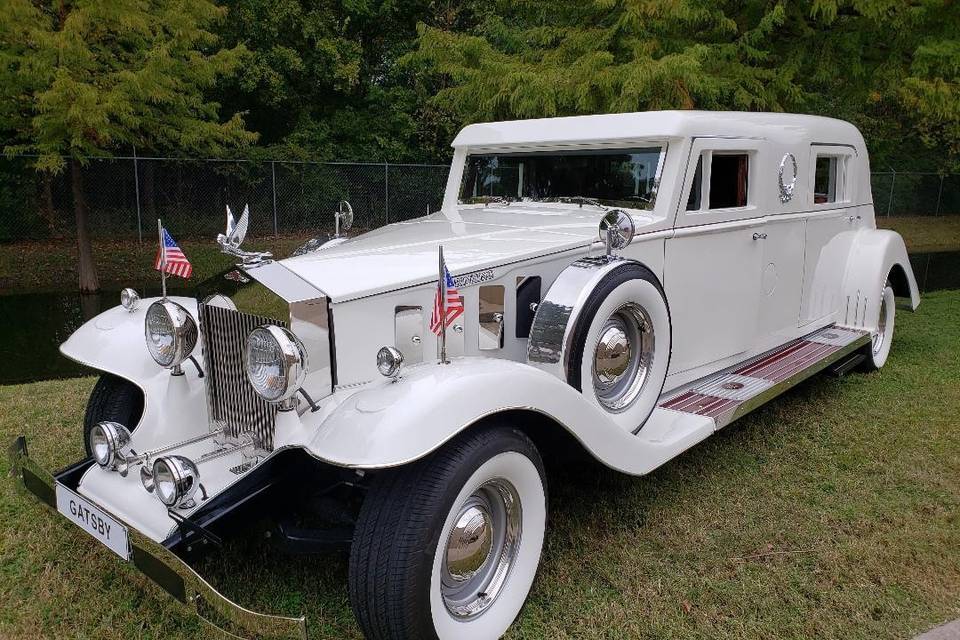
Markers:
(94, 521)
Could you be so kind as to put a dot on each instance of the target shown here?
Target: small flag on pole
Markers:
(170, 258)
(447, 304)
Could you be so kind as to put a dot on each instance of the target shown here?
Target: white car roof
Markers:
(786, 128)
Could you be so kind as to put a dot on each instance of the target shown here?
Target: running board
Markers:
(738, 390)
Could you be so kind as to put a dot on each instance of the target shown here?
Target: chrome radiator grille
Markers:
(232, 403)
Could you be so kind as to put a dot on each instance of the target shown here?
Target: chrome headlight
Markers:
(276, 362)
(175, 480)
(171, 333)
(107, 441)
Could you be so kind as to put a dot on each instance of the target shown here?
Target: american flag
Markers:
(171, 259)
(454, 305)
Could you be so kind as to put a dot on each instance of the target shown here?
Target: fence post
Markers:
(273, 181)
(893, 181)
(939, 196)
(386, 192)
(136, 191)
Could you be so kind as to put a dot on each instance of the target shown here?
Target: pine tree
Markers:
(80, 79)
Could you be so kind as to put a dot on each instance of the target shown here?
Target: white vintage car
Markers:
(635, 282)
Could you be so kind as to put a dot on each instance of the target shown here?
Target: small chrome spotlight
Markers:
(130, 299)
(146, 478)
(175, 480)
(389, 361)
(107, 443)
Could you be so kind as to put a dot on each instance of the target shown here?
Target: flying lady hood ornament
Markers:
(236, 232)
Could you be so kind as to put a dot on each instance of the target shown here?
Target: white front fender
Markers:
(390, 424)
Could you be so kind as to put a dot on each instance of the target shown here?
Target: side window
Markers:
(728, 180)
(827, 180)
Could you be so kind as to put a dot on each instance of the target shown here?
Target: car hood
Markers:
(404, 254)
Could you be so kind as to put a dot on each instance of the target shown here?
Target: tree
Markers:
(83, 78)
(890, 66)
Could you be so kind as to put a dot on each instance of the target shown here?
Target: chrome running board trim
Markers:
(736, 391)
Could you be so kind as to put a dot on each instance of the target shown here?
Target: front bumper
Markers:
(164, 567)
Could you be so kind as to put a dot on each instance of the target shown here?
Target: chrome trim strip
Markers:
(168, 571)
(552, 330)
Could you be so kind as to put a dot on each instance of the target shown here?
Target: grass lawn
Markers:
(28, 267)
(833, 512)
(925, 233)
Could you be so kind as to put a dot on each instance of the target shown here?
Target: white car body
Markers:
(739, 282)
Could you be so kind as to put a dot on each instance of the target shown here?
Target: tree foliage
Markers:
(88, 77)
(890, 66)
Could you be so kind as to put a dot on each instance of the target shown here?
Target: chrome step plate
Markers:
(737, 390)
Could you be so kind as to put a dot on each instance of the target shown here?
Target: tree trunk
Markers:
(85, 266)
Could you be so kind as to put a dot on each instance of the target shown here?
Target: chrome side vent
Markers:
(232, 403)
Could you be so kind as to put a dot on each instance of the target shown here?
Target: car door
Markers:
(712, 264)
(830, 227)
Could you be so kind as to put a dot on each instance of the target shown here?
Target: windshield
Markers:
(619, 177)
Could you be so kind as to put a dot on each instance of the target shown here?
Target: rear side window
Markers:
(728, 180)
(826, 181)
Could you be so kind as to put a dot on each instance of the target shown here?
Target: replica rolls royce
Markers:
(634, 282)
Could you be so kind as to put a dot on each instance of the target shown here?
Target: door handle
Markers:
(852, 218)
(759, 236)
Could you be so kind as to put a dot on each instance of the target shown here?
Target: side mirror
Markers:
(617, 229)
(343, 217)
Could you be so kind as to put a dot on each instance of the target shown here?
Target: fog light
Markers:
(175, 480)
(107, 441)
(389, 360)
(130, 299)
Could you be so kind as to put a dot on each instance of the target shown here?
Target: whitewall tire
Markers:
(881, 337)
(622, 346)
(448, 547)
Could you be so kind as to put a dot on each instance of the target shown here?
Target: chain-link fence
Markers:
(125, 196)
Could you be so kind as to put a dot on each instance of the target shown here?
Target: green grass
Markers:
(28, 267)
(833, 512)
(925, 234)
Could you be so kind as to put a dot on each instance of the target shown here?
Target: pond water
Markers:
(34, 325)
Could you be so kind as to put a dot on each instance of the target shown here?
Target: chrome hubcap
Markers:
(623, 357)
(481, 549)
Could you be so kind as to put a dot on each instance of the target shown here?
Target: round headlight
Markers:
(389, 360)
(276, 362)
(175, 480)
(130, 299)
(171, 333)
(107, 440)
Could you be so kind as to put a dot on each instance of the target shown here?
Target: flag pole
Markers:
(163, 261)
(442, 284)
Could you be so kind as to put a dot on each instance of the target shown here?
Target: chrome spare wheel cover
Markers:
(880, 333)
(481, 549)
(622, 357)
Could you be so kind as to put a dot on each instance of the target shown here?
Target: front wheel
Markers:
(448, 547)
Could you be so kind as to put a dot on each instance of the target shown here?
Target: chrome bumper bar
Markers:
(171, 573)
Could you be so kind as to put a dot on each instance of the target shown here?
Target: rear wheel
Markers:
(882, 336)
(448, 547)
(113, 399)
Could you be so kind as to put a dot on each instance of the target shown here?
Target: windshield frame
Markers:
(527, 150)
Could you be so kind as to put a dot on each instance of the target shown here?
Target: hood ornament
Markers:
(236, 232)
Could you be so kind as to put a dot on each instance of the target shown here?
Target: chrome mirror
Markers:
(343, 217)
(617, 229)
